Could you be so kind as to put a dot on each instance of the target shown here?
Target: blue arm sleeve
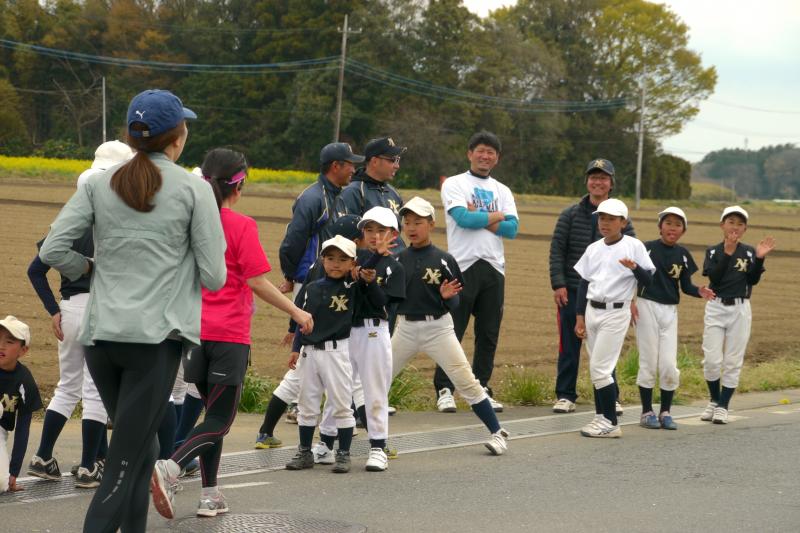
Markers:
(37, 273)
(469, 219)
(508, 228)
(296, 342)
(644, 277)
(21, 433)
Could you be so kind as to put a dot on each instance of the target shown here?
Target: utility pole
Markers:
(641, 135)
(344, 31)
(104, 109)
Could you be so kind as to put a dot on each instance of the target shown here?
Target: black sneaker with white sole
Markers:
(44, 469)
(84, 479)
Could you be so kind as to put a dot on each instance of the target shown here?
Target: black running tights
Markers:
(134, 381)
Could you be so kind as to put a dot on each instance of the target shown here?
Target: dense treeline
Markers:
(501, 73)
(771, 172)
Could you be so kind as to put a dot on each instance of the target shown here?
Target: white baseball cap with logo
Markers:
(107, 155)
(17, 328)
(734, 209)
(419, 206)
(345, 245)
(677, 211)
(382, 215)
(613, 207)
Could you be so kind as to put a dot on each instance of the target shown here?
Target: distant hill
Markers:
(771, 172)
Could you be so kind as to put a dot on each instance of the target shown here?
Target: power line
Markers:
(750, 108)
(724, 129)
(259, 68)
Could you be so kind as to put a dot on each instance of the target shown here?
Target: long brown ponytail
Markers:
(137, 181)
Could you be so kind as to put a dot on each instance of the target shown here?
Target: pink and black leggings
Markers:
(205, 441)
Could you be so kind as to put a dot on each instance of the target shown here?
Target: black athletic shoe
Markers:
(342, 465)
(302, 460)
(44, 469)
(88, 480)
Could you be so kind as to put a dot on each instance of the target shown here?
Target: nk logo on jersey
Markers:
(432, 276)
(9, 403)
(338, 303)
(741, 265)
(393, 205)
(675, 271)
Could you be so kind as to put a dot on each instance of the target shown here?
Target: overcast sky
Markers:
(755, 46)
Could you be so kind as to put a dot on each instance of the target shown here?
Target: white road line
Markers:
(243, 485)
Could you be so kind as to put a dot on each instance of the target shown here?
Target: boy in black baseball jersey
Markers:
(657, 323)
(733, 268)
(326, 366)
(424, 324)
(370, 341)
(19, 398)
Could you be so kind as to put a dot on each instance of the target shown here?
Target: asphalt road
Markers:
(741, 477)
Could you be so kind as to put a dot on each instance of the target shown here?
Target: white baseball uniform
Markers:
(611, 289)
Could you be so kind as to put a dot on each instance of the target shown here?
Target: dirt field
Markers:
(529, 327)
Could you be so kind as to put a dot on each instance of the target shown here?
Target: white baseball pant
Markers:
(4, 460)
(725, 336)
(371, 358)
(437, 339)
(180, 388)
(605, 334)
(328, 372)
(657, 340)
(75, 382)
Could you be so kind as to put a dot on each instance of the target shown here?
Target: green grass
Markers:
(521, 386)
(407, 391)
(256, 392)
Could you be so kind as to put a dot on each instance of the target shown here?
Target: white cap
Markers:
(17, 328)
(382, 215)
(345, 245)
(677, 211)
(197, 171)
(111, 153)
(613, 207)
(419, 206)
(734, 209)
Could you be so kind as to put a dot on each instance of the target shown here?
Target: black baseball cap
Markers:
(383, 146)
(339, 152)
(347, 227)
(603, 165)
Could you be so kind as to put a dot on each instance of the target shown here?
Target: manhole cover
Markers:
(267, 522)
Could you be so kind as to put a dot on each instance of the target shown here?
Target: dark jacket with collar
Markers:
(575, 230)
(312, 215)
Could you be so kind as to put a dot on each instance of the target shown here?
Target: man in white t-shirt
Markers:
(480, 213)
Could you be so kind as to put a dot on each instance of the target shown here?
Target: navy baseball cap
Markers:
(347, 227)
(158, 110)
(603, 165)
(339, 152)
(383, 146)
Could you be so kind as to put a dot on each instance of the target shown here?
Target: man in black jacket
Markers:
(575, 229)
(371, 185)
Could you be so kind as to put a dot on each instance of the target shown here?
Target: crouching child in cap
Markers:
(19, 398)
(424, 323)
(326, 364)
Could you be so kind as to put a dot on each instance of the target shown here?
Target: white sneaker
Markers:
(708, 412)
(564, 406)
(497, 444)
(163, 487)
(620, 411)
(212, 506)
(377, 462)
(720, 415)
(392, 410)
(592, 423)
(446, 403)
(322, 454)
(496, 406)
(601, 428)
